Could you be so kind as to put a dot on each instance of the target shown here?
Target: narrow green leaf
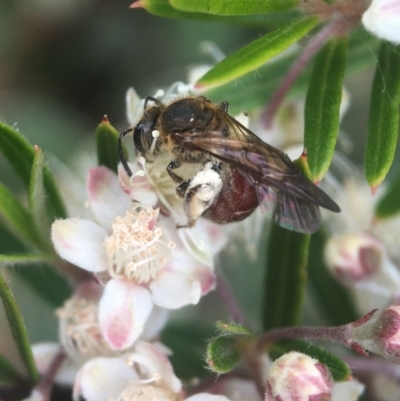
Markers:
(383, 123)
(18, 151)
(286, 277)
(18, 329)
(340, 371)
(322, 107)
(163, 8)
(188, 342)
(254, 89)
(19, 220)
(8, 374)
(223, 354)
(20, 154)
(257, 53)
(236, 7)
(57, 209)
(107, 145)
(329, 297)
(389, 204)
(37, 195)
(25, 259)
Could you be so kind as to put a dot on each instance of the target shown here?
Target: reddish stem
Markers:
(334, 28)
(338, 334)
(45, 384)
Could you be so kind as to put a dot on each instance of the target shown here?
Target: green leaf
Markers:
(8, 374)
(37, 195)
(253, 90)
(107, 145)
(223, 354)
(25, 259)
(340, 371)
(232, 328)
(322, 108)
(383, 124)
(19, 220)
(163, 8)
(286, 277)
(188, 342)
(20, 154)
(257, 53)
(389, 204)
(329, 297)
(18, 329)
(55, 202)
(236, 7)
(18, 151)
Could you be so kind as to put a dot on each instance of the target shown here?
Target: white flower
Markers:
(361, 240)
(143, 375)
(139, 254)
(382, 18)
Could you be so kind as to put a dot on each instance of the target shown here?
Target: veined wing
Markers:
(261, 163)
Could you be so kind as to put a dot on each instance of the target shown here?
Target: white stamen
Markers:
(135, 249)
(80, 332)
(155, 135)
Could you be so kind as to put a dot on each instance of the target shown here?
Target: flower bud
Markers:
(379, 333)
(353, 258)
(298, 377)
(382, 18)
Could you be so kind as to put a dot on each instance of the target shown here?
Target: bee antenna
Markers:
(121, 152)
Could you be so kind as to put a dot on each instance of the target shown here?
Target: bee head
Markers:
(145, 134)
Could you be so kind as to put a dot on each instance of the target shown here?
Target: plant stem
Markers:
(334, 28)
(45, 384)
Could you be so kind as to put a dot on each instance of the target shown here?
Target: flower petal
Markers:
(137, 187)
(102, 379)
(123, 311)
(106, 197)
(156, 363)
(207, 397)
(155, 323)
(173, 290)
(44, 354)
(80, 242)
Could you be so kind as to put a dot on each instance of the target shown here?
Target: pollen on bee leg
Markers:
(136, 249)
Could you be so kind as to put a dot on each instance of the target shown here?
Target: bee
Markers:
(238, 173)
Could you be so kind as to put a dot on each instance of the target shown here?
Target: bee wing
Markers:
(287, 211)
(262, 164)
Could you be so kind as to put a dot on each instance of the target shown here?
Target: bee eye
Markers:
(137, 138)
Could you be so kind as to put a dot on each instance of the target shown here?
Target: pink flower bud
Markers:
(353, 258)
(388, 333)
(382, 18)
(379, 333)
(298, 377)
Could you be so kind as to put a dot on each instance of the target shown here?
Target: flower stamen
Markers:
(135, 249)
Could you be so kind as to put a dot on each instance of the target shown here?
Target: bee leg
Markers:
(172, 166)
(153, 99)
(201, 191)
(224, 106)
